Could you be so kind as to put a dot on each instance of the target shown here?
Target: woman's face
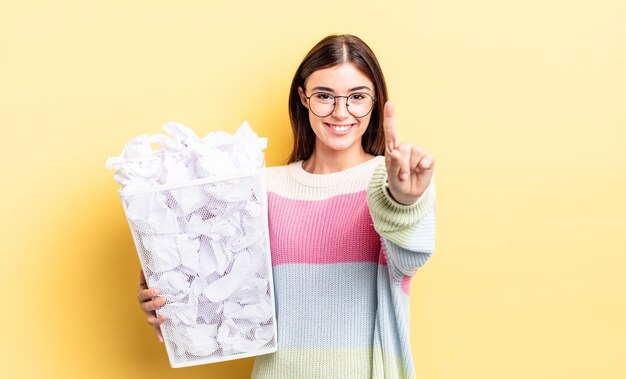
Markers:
(339, 131)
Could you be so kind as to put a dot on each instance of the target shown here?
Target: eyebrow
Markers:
(328, 89)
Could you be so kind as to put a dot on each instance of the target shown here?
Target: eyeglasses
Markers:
(359, 104)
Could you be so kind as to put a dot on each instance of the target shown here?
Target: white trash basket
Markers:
(205, 245)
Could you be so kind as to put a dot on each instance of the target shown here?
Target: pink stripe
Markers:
(382, 257)
(405, 284)
(335, 230)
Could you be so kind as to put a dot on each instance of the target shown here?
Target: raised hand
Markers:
(409, 168)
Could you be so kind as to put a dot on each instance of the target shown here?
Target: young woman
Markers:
(348, 226)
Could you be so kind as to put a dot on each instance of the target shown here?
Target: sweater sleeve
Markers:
(407, 231)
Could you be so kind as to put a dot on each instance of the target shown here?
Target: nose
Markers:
(341, 109)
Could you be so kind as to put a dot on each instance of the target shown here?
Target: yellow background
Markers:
(521, 102)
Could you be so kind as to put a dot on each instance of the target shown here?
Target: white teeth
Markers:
(340, 128)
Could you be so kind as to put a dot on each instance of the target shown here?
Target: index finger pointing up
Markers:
(389, 126)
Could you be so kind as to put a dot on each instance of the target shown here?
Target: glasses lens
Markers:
(360, 104)
(322, 104)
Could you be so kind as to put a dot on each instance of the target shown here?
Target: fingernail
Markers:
(155, 291)
(404, 176)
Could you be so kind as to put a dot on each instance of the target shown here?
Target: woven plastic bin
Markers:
(205, 245)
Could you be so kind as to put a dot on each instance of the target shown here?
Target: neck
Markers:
(329, 161)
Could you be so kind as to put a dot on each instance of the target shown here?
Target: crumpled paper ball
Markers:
(183, 156)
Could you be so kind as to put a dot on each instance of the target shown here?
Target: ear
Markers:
(303, 97)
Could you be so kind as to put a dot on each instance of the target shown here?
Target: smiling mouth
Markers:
(339, 128)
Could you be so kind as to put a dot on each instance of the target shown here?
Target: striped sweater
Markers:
(343, 254)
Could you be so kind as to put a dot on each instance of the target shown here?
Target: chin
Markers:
(340, 145)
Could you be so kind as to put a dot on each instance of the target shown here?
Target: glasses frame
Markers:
(335, 103)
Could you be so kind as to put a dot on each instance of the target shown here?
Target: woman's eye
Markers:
(358, 96)
(323, 96)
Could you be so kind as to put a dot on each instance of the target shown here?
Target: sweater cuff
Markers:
(394, 220)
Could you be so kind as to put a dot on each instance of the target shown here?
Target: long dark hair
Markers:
(332, 51)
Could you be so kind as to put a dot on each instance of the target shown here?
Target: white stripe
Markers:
(293, 182)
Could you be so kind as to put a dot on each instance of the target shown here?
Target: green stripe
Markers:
(328, 364)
